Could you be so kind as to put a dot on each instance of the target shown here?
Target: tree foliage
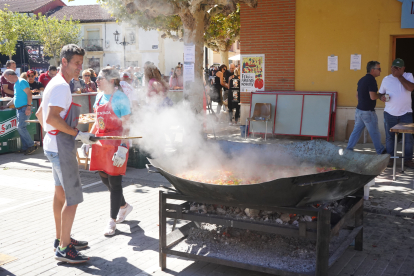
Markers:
(195, 16)
(223, 31)
(171, 26)
(52, 33)
(9, 32)
(26, 26)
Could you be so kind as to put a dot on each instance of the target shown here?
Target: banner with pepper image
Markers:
(252, 73)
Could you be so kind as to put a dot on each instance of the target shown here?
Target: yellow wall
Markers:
(343, 28)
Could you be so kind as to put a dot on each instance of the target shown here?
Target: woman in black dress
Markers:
(234, 97)
(217, 84)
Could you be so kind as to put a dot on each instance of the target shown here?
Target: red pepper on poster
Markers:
(258, 83)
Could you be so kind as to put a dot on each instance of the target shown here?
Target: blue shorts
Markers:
(56, 169)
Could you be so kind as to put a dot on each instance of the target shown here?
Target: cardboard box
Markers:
(350, 127)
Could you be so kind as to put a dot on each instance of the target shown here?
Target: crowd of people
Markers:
(59, 116)
(33, 83)
(115, 103)
(395, 91)
(223, 86)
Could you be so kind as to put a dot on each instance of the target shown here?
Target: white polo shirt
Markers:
(400, 98)
(57, 93)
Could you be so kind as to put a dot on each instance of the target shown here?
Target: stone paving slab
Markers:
(388, 240)
(387, 197)
(26, 222)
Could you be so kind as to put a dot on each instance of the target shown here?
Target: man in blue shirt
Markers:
(23, 103)
(365, 115)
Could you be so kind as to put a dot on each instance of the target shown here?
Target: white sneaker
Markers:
(110, 228)
(123, 213)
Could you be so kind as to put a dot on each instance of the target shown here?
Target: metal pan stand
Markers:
(321, 231)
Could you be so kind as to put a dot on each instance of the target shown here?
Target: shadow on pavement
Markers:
(100, 266)
(392, 197)
(120, 265)
(4, 272)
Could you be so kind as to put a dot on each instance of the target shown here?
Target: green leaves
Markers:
(223, 31)
(166, 24)
(52, 33)
(9, 32)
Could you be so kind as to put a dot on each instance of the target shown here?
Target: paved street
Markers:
(27, 227)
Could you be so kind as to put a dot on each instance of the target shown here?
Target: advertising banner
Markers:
(252, 77)
(9, 136)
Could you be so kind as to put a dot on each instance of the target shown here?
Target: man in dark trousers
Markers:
(398, 85)
(365, 115)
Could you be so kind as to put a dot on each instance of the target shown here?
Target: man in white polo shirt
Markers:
(398, 109)
(59, 117)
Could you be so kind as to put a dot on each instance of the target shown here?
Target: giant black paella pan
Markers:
(357, 169)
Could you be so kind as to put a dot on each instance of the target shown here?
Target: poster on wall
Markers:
(252, 77)
(189, 53)
(355, 62)
(188, 74)
(333, 63)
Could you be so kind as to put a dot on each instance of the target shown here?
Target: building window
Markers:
(238, 45)
(95, 64)
(94, 41)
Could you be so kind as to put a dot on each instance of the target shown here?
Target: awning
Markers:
(236, 57)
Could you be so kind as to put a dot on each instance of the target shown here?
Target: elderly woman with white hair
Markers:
(109, 157)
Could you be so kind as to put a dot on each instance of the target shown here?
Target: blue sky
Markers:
(80, 2)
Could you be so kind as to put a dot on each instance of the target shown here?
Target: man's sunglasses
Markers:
(379, 69)
(31, 76)
(100, 78)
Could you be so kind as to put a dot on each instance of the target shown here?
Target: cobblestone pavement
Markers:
(27, 227)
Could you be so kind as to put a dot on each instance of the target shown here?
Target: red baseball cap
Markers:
(126, 75)
(31, 72)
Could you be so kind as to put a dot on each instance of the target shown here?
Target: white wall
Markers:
(343, 114)
(147, 39)
(112, 59)
(173, 53)
(166, 56)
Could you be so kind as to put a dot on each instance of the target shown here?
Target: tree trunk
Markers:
(194, 34)
(10, 57)
(224, 57)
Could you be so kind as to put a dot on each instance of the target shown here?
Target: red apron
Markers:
(106, 124)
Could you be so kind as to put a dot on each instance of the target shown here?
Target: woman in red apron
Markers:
(109, 157)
